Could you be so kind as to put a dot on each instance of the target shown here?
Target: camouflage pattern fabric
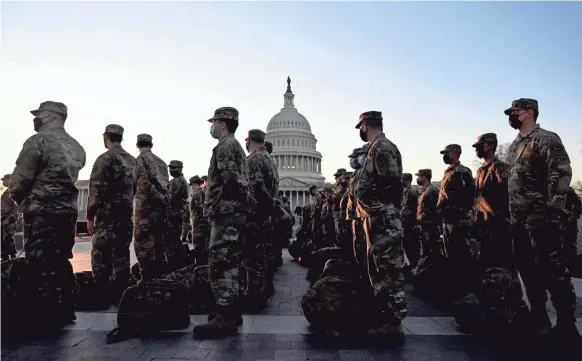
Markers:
(458, 252)
(151, 201)
(110, 205)
(338, 194)
(573, 210)
(378, 195)
(195, 280)
(8, 226)
(328, 224)
(200, 227)
(428, 219)
(456, 194)
(410, 227)
(316, 226)
(176, 213)
(539, 177)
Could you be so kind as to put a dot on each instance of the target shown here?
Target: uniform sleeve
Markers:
(144, 181)
(559, 172)
(97, 186)
(227, 165)
(382, 161)
(27, 166)
(257, 184)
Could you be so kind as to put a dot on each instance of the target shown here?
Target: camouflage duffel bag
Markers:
(16, 295)
(335, 305)
(318, 260)
(195, 280)
(90, 296)
(151, 306)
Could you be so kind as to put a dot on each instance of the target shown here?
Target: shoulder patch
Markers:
(220, 157)
(557, 147)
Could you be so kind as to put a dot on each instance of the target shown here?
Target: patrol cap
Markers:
(485, 138)
(56, 107)
(144, 138)
(256, 135)
(195, 180)
(269, 146)
(225, 113)
(339, 172)
(452, 148)
(347, 174)
(407, 176)
(6, 177)
(114, 129)
(357, 152)
(522, 103)
(424, 172)
(204, 178)
(176, 164)
(371, 118)
(312, 187)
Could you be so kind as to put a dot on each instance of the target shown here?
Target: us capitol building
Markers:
(294, 152)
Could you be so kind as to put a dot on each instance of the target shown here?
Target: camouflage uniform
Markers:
(9, 222)
(262, 183)
(110, 205)
(357, 240)
(338, 193)
(328, 224)
(539, 177)
(200, 225)
(426, 215)
(492, 211)
(43, 184)
(151, 202)
(409, 224)
(573, 212)
(455, 205)
(378, 195)
(316, 226)
(226, 204)
(345, 239)
(177, 211)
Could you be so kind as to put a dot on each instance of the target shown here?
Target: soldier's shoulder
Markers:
(385, 145)
(499, 164)
(547, 134)
(35, 139)
(464, 169)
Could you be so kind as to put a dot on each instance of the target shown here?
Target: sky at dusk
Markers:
(440, 72)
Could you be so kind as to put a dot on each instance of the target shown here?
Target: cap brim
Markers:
(35, 112)
(359, 124)
(211, 120)
(417, 175)
(443, 151)
(476, 144)
(510, 110)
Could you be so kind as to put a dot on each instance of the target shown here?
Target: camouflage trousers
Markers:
(173, 242)
(7, 231)
(461, 264)
(226, 240)
(49, 241)
(430, 238)
(571, 247)
(496, 248)
(200, 241)
(110, 247)
(149, 244)
(360, 249)
(254, 256)
(385, 261)
(411, 240)
(542, 264)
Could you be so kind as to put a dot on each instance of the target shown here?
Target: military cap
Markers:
(6, 177)
(224, 113)
(407, 176)
(371, 118)
(347, 174)
(144, 138)
(312, 187)
(452, 148)
(195, 180)
(339, 172)
(522, 103)
(114, 129)
(51, 106)
(176, 164)
(357, 152)
(256, 135)
(424, 172)
(485, 138)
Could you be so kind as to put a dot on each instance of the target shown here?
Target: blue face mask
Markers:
(213, 132)
(354, 163)
(361, 160)
(357, 163)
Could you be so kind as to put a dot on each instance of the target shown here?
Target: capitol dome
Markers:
(294, 152)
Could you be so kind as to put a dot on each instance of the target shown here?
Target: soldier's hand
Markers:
(90, 227)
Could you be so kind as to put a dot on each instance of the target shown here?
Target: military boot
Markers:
(239, 319)
(222, 325)
(540, 321)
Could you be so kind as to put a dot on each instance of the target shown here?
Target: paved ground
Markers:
(279, 333)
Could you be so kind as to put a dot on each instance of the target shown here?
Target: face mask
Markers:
(363, 136)
(213, 132)
(480, 153)
(37, 123)
(514, 121)
(174, 172)
(447, 159)
(354, 163)
(418, 182)
(361, 160)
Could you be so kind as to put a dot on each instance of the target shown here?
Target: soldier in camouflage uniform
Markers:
(344, 238)
(573, 212)
(378, 195)
(492, 206)
(262, 184)
(227, 203)
(316, 207)
(270, 247)
(455, 204)
(200, 226)
(43, 185)
(9, 221)
(109, 211)
(357, 240)
(150, 207)
(338, 193)
(328, 224)
(177, 211)
(410, 227)
(539, 177)
(426, 213)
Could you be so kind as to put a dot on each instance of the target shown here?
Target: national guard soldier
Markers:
(43, 185)
(411, 241)
(539, 177)
(492, 206)
(177, 211)
(316, 207)
(379, 197)
(573, 212)
(328, 225)
(344, 238)
(357, 240)
(151, 203)
(109, 211)
(9, 222)
(226, 204)
(338, 193)
(262, 184)
(455, 205)
(270, 248)
(200, 226)
(426, 213)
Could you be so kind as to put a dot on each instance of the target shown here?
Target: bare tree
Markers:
(577, 186)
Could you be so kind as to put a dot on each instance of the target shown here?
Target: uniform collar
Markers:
(528, 134)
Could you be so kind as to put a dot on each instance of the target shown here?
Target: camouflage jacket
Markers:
(349, 199)
(9, 212)
(316, 206)
(491, 193)
(456, 196)
(338, 194)
(539, 176)
(379, 186)
(178, 206)
(112, 184)
(46, 171)
(426, 211)
(276, 188)
(151, 194)
(228, 183)
(262, 182)
(196, 207)
(327, 220)
(573, 209)
(306, 220)
(410, 203)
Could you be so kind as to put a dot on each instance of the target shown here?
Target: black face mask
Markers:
(447, 159)
(480, 152)
(174, 172)
(418, 182)
(514, 121)
(37, 123)
(363, 136)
